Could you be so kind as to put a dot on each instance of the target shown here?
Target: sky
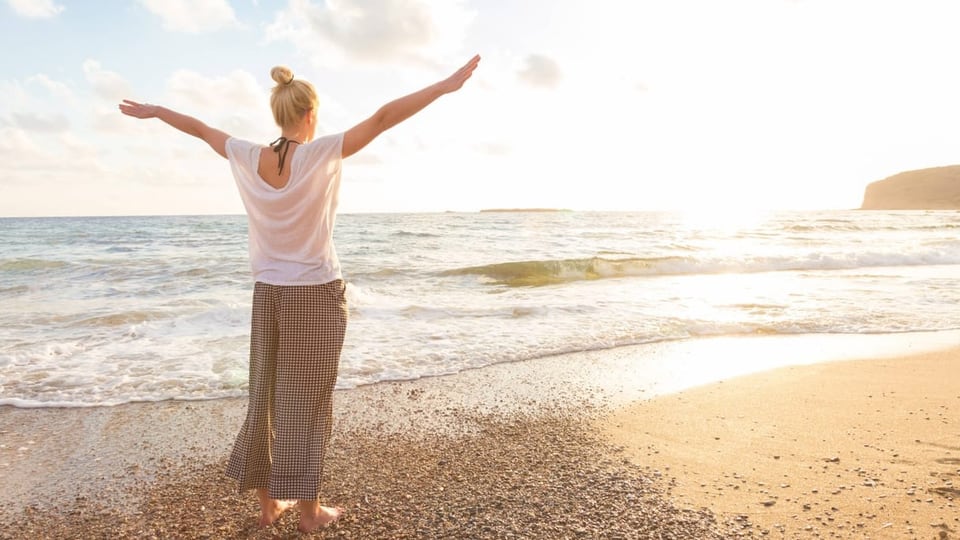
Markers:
(694, 105)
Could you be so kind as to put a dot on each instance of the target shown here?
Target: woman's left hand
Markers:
(455, 81)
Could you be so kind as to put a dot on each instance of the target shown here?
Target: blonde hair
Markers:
(291, 98)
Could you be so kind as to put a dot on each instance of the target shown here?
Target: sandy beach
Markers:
(853, 449)
(563, 447)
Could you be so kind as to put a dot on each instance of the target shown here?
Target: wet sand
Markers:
(852, 449)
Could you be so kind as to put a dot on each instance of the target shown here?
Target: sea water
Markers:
(109, 310)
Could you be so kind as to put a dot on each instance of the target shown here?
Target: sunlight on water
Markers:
(723, 219)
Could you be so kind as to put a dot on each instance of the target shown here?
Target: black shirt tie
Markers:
(281, 146)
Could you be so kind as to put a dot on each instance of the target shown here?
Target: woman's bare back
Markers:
(267, 169)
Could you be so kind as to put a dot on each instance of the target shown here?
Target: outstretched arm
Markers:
(399, 110)
(187, 124)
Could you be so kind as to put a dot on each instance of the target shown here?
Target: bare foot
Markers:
(272, 512)
(271, 509)
(313, 516)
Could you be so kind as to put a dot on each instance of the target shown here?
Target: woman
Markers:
(290, 191)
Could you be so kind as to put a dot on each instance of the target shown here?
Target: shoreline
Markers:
(625, 373)
(111, 465)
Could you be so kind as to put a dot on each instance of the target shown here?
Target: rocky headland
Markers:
(936, 188)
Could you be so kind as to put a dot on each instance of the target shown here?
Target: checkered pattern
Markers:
(295, 340)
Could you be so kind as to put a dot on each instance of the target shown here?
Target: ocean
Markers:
(110, 310)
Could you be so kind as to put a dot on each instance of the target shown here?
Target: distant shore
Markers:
(486, 210)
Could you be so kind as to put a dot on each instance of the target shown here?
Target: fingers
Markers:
(129, 106)
(466, 71)
(471, 64)
(135, 109)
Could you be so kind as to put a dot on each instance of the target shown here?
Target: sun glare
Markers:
(723, 219)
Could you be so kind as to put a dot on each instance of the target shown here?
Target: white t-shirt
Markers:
(291, 228)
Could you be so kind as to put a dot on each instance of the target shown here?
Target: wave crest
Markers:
(537, 273)
(549, 272)
(28, 265)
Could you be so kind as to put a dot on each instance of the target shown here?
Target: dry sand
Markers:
(852, 449)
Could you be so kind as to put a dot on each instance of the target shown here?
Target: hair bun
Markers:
(282, 75)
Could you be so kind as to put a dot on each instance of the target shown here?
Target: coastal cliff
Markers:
(936, 188)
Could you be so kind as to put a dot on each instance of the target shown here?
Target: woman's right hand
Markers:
(138, 110)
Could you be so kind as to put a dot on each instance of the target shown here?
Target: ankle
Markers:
(312, 508)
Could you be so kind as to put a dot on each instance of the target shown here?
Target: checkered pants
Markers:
(295, 339)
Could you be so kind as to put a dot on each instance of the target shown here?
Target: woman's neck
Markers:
(295, 135)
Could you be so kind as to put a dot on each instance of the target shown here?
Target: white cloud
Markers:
(13, 97)
(419, 31)
(540, 70)
(238, 89)
(37, 104)
(44, 160)
(56, 89)
(108, 85)
(193, 16)
(235, 102)
(79, 153)
(35, 9)
(16, 144)
(42, 123)
(109, 120)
